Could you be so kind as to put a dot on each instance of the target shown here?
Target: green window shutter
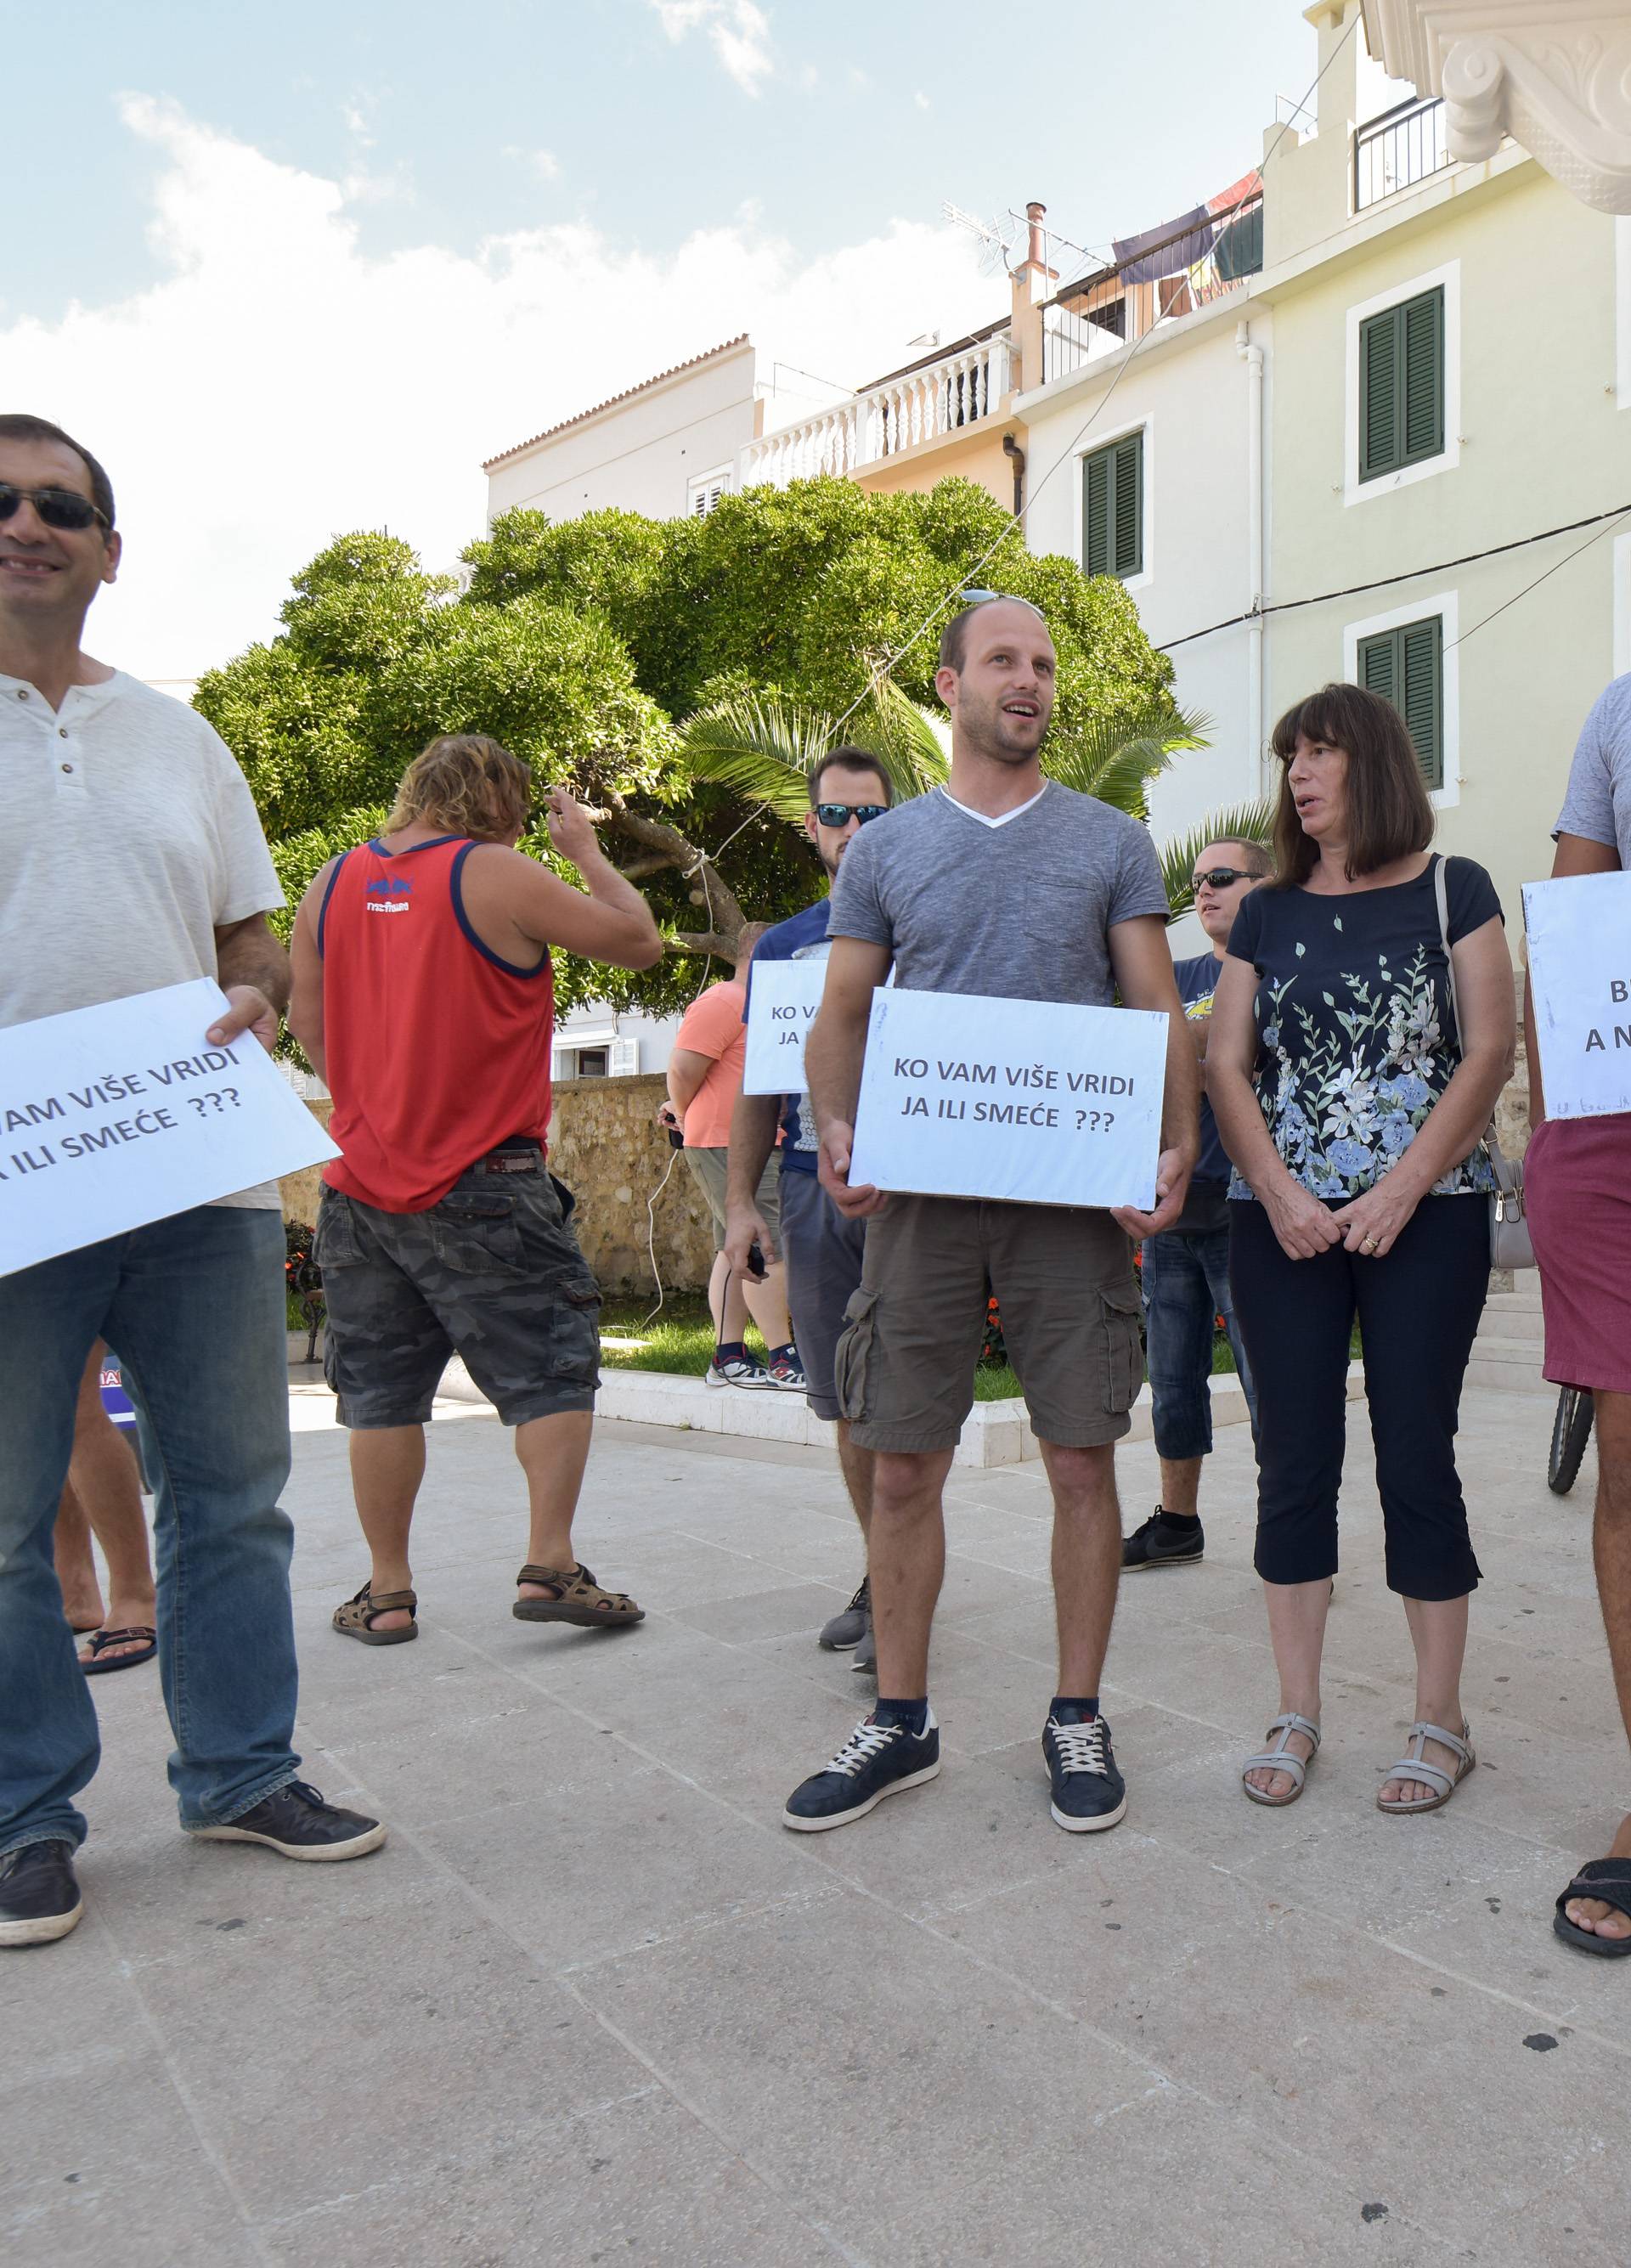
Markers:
(1113, 512)
(1096, 516)
(1406, 667)
(1378, 395)
(1401, 386)
(1422, 672)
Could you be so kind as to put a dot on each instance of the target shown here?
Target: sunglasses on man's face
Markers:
(56, 507)
(1221, 878)
(839, 814)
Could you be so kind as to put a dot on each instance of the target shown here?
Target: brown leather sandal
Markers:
(578, 1598)
(355, 1618)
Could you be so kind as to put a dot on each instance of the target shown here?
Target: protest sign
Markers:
(1036, 1102)
(122, 1113)
(781, 1007)
(1580, 969)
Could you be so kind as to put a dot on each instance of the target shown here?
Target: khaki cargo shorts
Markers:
(708, 1171)
(1063, 1279)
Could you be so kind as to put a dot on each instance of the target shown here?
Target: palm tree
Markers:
(1243, 822)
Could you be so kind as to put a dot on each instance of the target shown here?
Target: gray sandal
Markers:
(1280, 1759)
(1411, 1766)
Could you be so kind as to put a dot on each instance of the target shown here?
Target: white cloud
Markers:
(277, 385)
(921, 99)
(741, 34)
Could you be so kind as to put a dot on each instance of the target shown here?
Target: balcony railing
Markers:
(920, 405)
(1100, 315)
(1395, 151)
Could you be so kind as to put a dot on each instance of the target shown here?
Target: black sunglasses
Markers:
(1220, 878)
(56, 507)
(839, 814)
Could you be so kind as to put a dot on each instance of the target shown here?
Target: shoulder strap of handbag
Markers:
(1507, 1172)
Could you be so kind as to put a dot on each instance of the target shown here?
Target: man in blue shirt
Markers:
(1186, 1268)
(823, 1250)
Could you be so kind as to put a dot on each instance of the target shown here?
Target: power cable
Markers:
(1600, 521)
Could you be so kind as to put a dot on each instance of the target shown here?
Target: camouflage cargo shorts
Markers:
(492, 1273)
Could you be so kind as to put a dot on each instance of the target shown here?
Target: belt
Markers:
(521, 1154)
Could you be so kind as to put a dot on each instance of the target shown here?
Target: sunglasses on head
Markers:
(839, 814)
(56, 507)
(986, 598)
(1220, 878)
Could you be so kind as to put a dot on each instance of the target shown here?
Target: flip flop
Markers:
(1609, 1880)
(103, 1639)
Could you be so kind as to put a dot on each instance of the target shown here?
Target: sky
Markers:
(294, 271)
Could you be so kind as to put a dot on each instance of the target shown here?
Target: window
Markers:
(1112, 508)
(1401, 386)
(1406, 667)
(703, 492)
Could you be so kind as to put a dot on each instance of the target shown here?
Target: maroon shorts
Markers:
(1577, 1196)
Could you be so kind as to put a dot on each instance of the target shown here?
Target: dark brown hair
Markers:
(1254, 856)
(852, 759)
(16, 425)
(467, 783)
(1389, 814)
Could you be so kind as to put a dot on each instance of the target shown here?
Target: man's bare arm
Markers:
(305, 1007)
(1144, 978)
(687, 1069)
(252, 969)
(613, 923)
(833, 1055)
(753, 1137)
(1576, 854)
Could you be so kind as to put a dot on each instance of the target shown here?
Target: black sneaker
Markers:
(1089, 1793)
(863, 1661)
(1162, 1543)
(876, 1760)
(40, 1898)
(840, 1632)
(296, 1823)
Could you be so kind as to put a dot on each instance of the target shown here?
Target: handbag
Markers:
(1510, 1246)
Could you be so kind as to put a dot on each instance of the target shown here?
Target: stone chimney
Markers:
(1032, 281)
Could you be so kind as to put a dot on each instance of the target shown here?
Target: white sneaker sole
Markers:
(42, 1929)
(317, 1854)
(843, 1818)
(743, 1384)
(1089, 1826)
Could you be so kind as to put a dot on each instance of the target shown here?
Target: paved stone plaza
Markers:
(594, 2004)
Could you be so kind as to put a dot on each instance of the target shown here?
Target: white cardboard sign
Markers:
(1580, 969)
(781, 1008)
(122, 1113)
(1030, 1101)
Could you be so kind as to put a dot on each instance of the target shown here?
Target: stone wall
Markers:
(606, 1145)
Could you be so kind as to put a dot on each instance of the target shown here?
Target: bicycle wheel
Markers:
(1571, 1430)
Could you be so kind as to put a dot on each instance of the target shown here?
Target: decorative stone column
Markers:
(1555, 75)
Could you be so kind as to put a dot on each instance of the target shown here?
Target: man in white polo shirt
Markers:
(132, 858)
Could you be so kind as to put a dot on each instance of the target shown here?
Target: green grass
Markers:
(680, 1340)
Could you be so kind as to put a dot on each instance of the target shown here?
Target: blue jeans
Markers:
(193, 1308)
(1186, 1285)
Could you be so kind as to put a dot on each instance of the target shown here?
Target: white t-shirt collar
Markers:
(1002, 817)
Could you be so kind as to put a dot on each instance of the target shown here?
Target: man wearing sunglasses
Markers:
(823, 1250)
(1006, 884)
(1186, 1268)
(131, 859)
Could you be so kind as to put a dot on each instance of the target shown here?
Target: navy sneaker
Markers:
(1089, 1793)
(296, 1823)
(1162, 1543)
(39, 1895)
(876, 1760)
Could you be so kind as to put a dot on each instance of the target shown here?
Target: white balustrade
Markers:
(921, 405)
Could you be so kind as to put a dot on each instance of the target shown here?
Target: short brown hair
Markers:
(17, 425)
(1254, 856)
(1389, 812)
(466, 782)
(849, 758)
(954, 639)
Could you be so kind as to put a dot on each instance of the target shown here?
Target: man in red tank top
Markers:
(422, 995)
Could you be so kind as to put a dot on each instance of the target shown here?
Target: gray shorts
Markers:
(1063, 1279)
(492, 1273)
(823, 1252)
(708, 1171)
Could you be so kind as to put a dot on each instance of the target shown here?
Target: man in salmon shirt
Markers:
(422, 995)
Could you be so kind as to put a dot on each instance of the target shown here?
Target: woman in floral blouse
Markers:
(1355, 1113)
